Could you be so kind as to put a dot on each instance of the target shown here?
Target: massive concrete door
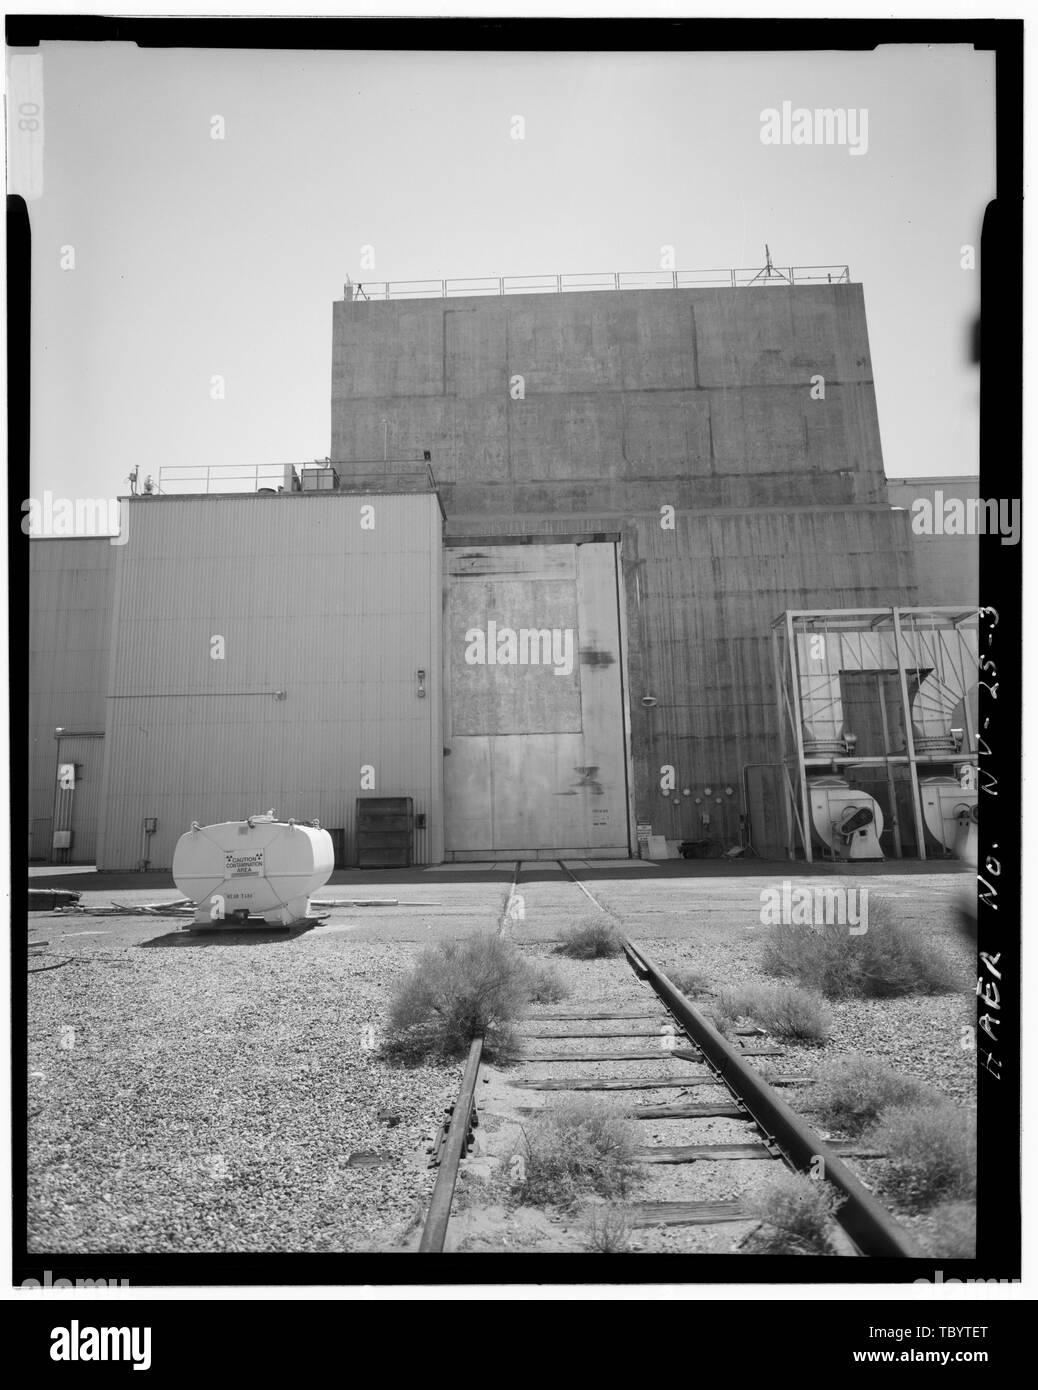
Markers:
(536, 765)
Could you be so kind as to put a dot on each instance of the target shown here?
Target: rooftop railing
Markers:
(770, 276)
(179, 479)
(183, 479)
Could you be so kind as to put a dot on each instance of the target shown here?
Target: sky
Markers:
(197, 257)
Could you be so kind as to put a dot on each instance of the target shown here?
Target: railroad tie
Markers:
(693, 1055)
(604, 1037)
(702, 1111)
(639, 1083)
(542, 1017)
(659, 1054)
(724, 1153)
(641, 1214)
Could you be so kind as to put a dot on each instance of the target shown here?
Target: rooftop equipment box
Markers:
(319, 480)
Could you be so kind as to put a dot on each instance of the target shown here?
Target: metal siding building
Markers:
(70, 609)
(265, 652)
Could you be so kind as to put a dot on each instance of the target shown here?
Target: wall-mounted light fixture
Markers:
(649, 700)
(280, 694)
(421, 685)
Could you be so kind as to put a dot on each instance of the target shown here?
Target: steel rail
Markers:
(455, 1144)
(872, 1229)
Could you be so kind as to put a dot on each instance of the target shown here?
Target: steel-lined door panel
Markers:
(535, 712)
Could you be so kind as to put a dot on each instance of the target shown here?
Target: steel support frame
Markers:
(913, 774)
(790, 712)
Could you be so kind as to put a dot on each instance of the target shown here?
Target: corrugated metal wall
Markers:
(70, 609)
(308, 601)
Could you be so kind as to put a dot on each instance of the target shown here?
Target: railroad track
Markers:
(773, 1131)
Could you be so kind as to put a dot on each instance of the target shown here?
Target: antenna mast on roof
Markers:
(769, 272)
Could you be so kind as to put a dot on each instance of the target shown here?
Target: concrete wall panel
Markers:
(564, 436)
(781, 337)
(475, 353)
(666, 434)
(574, 349)
(758, 429)
(398, 354)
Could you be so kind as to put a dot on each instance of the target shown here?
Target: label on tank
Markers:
(239, 865)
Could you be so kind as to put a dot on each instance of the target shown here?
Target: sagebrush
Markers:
(931, 1153)
(577, 1147)
(544, 983)
(607, 1228)
(690, 982)
(850, 1093)
(785, 1012)
(886, 961)
(457, 991)
(591, 941)
(797, 1214)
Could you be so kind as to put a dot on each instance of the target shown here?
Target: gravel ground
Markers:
(208, 1098)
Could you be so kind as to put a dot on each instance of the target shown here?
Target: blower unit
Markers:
(950, 813)
(242, 869)
(847, 820)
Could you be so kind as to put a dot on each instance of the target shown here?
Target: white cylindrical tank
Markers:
(256, 866)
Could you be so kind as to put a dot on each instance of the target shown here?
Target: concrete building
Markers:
(567, 642)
